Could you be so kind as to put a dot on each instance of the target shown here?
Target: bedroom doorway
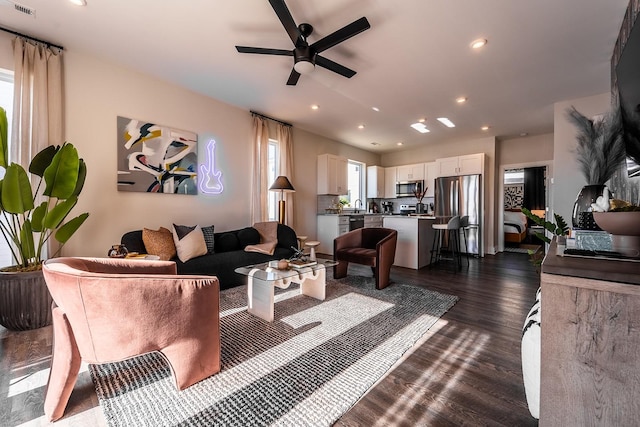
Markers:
(523, 186)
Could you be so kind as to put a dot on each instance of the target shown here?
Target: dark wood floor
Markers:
(466, 370)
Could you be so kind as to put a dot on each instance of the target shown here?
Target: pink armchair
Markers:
(106, 310)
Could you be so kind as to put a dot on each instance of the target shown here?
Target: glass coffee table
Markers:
(262, 279)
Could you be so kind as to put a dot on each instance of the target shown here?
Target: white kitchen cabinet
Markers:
(372, 221)
(390, 180)
(430, 175)
(332, 174)
(469, 164)
(410, 172)
(375, 182)
(330, 227)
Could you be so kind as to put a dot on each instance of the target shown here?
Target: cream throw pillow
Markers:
(189, 242)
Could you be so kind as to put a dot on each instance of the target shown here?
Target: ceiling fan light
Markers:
(304, 67)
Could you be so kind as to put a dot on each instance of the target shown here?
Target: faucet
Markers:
(355, 206)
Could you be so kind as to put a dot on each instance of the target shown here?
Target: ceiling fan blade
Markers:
(334, 66)
(344, 33)
(293, 78)
(281, 9)
(264, 51)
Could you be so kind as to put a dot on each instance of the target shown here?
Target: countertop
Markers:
(379, 214)
(611, 270)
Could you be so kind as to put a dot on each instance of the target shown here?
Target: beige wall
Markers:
(96, 92)
(567, 178)
(306, 149)
(529, 149)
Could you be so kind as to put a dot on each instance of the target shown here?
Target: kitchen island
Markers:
(415, 238)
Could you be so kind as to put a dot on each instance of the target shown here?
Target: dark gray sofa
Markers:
(228, 253)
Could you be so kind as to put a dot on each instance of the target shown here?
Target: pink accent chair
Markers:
(107, 310)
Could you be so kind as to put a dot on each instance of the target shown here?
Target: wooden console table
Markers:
(590, 349)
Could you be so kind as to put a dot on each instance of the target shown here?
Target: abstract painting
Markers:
(156, 159)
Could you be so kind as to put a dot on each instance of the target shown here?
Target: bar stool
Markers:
(464, 225)
(452, 230)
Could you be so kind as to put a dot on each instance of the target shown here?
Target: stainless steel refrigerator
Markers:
(462, 195)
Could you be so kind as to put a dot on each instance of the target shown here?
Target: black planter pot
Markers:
(25, 302)
(582, 217)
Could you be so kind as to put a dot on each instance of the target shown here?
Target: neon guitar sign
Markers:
(211, 180)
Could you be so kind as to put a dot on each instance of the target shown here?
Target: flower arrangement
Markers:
(420, 194)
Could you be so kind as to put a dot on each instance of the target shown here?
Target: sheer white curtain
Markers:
(259, 184)
(285, 140)
(38, 114)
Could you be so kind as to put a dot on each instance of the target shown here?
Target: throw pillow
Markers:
(159, 242)
(209, 238)
(530, 353)
(189, 242)
(268, 238)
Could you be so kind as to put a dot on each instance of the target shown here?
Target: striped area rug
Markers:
(307, 368)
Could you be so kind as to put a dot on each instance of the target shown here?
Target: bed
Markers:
(515, 226)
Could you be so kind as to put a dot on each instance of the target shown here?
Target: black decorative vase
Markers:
(419, 208)
(582, 217)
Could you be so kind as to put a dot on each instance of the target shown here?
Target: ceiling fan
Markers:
(306, 56)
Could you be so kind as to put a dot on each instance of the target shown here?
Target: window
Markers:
(273, 159)
(355, 183)
(6, 102)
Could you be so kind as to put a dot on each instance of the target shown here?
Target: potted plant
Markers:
(29, 220)
(558, 228)
(600, 152)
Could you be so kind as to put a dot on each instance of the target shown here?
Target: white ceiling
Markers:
(413, 61)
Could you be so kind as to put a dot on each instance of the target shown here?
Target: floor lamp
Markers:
(282, 185)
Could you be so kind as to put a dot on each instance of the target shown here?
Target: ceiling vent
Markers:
(24, 9)
(19, 7)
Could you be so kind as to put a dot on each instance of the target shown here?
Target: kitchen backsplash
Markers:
(328, 202)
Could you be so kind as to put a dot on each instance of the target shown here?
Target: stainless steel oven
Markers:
(409, 188)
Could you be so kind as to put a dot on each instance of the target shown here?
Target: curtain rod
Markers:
(271, 118)
(31, 38)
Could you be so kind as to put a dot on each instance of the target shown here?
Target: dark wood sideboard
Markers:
(590, 349)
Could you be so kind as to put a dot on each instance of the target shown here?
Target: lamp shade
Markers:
(282, 184)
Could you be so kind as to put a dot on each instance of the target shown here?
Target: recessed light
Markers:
(375, 108)
(422, 120)
(375, 143)
(79, 2)
(360, 126)
(461, 100)
(524, 134)
(399, 143)
(485, 128)
(478, 43)
(315, 106)
(448, 123)
(420, 127)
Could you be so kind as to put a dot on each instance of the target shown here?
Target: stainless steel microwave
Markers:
(409, 188)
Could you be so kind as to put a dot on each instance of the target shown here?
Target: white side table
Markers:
(312, 244)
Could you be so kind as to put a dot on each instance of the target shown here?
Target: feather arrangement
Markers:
(601, 148)
(631, 134)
